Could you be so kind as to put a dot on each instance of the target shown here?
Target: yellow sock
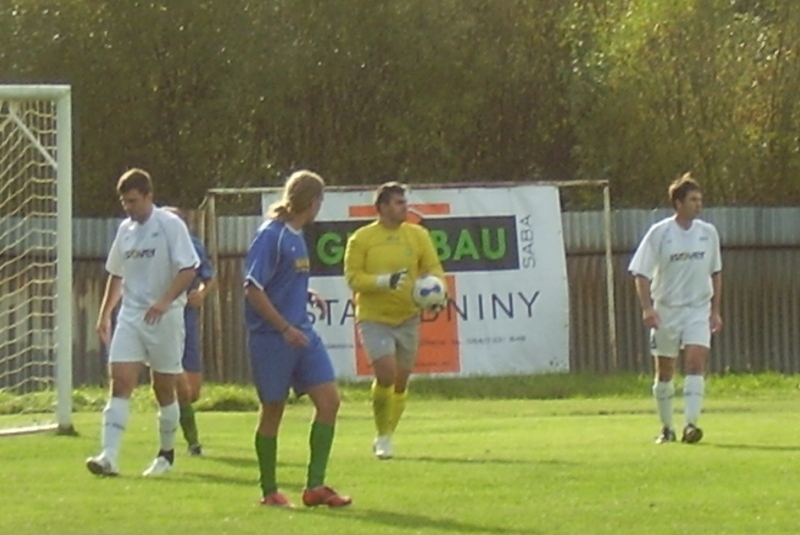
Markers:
(398, 406)
(382, 408)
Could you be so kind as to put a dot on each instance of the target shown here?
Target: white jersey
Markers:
(679, 262)
(148, 256)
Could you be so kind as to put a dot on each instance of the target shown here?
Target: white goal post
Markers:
(35, 258)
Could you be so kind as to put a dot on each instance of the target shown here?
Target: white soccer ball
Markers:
(429, 290)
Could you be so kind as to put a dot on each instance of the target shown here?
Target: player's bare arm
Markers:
(716, 302)
(317, 302)
(179, 285)
(196, 297)
(262, 304)
(650, 317)
(111, 298)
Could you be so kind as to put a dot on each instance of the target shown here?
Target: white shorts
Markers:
(160, 346)
(380, 340)
(680, 327)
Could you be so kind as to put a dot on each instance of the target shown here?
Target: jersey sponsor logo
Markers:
(302, 265)
(139, 253)
(685, 256)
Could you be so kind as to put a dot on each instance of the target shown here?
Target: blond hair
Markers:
(300, 191)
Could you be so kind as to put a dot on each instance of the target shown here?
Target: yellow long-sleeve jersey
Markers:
(375, 250)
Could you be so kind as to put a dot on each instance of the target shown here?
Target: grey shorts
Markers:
(380, 340)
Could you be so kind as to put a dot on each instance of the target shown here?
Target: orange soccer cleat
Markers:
(276, 499)
(325, 496)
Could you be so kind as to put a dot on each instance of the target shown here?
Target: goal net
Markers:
(35, 259)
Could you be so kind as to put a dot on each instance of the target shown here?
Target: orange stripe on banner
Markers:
(433, 208)
(438, 342)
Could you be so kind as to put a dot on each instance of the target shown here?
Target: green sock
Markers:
(267, 453)
(320, 440)
(189, 425)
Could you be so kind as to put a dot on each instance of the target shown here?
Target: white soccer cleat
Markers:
(382, 447)
(100, 465)
(159, 466)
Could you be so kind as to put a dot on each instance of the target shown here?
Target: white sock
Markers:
(693, 389)
(115, 418)
(663, 392)
(168, 418)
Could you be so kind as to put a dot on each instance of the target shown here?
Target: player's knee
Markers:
(695, 368)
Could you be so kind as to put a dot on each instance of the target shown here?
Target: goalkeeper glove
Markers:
(392, 280)
(438, 307)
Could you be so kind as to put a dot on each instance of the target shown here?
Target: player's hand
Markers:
(716, 322)
(104, 330)
(154, 313)
(295, 337)
(195, 298)
(438, 307)
(317, 302)
(393, 280)
(650, 318)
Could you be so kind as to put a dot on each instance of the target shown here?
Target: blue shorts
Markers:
(192, 349)
(276, 366)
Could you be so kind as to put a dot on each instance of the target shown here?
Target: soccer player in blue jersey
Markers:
(284, 350)
(191, 380)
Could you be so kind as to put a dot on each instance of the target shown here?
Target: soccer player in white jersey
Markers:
(151, 264)
(678, 272)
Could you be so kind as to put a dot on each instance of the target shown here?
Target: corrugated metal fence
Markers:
(761, 294)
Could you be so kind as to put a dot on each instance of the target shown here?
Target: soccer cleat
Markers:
(100, 465)
(324, 496)
(691, 434)
(159, 466)
(195, 450)
(276, 499)
(667, 435)
(382, 447)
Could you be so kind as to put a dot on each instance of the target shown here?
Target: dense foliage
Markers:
(237, 92)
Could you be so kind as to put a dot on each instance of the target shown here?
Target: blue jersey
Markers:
(192, 350)
(278, 264)
(205, 270)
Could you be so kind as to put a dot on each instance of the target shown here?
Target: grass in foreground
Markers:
(463, 467)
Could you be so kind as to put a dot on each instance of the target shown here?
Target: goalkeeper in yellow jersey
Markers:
(381, 262)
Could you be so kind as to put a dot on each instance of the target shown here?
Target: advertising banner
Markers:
(503, 251)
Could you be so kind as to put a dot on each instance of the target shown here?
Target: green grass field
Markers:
(469, 466)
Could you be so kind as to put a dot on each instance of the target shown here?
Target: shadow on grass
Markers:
(758, 447)
(245, 462)
(416, 523)
(218, 479)
(475, 460)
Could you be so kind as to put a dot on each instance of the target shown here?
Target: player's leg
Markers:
(314, 375)
(407, 342)
(379, 343)
(126, 354)
(270, 363)
(665, 345)
(164, 342)
(189, 384)
(663, 393)
(188, 390)
(697, 343)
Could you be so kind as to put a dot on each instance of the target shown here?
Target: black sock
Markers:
(168, 455)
